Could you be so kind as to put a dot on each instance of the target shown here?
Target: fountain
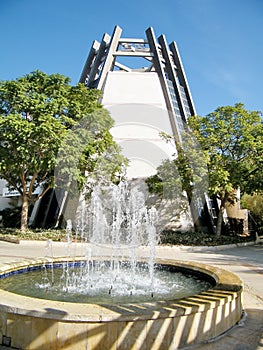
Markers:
(129, 304)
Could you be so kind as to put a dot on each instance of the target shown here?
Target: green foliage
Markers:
(15, 235)
(187, 171)
(38, 113)
(254, 203)
(232, 139)
(226, 145)
(88, 151)
(170, 237)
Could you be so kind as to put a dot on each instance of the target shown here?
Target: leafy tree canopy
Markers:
(231, 143)
(254, 203)
(232, 138)
(37, 113)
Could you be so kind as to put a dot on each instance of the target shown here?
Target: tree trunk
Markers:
(24, 213)
(195, 216)
(220, 217)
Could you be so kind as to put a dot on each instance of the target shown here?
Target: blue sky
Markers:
(220, 41)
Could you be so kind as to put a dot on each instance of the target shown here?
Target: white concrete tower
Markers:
(146, 92)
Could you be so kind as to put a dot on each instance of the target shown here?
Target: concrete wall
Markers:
(136, 103)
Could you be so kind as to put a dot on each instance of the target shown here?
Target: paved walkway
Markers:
(245, 261)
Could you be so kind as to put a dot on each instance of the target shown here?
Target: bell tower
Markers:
(145, 89)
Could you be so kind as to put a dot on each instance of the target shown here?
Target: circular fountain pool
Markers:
(33, 323)
(98, 282)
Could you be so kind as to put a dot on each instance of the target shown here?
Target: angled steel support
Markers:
(92, 54)
(182, 76)
(95, 71)
(109, 60)
(171, 72)
(159, 64)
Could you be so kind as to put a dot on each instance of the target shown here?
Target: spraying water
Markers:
(116, 217)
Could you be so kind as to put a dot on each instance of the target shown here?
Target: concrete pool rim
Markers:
(225, 281)
(217, 309)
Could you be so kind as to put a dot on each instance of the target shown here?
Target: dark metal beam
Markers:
(172, 76)
(92, 54)
(99, 58)
(182, 76)
(158, 65)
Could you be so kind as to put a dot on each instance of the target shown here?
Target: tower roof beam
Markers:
(133, 40)
(161, 58)
(133, 53)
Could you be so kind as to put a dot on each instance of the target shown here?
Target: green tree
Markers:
(254, 203)
(186, 174)
(226, 145)
(38, 112)
(232, 141)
